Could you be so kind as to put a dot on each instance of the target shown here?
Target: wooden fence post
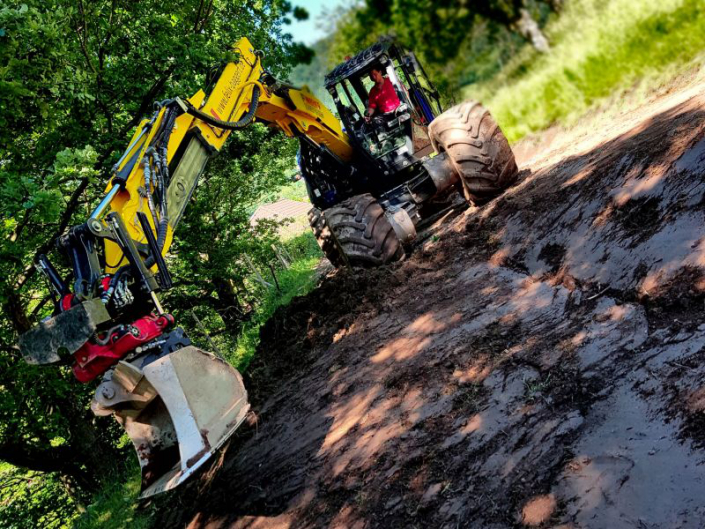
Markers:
(258, 276)
(208, 336)
(280, 255)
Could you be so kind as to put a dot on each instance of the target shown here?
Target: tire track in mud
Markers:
(540, 365)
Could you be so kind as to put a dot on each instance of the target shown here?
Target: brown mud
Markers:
(539, 364)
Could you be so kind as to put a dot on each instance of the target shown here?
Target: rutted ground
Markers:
(541, 364)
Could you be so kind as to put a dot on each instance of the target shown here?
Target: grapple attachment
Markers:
(178, 410)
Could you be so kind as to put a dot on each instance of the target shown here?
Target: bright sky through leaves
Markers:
(308, 31)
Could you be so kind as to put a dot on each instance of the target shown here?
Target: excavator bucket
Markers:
(178, 410)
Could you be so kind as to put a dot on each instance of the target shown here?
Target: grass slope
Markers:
(116, 507)
(299, 279)
(600, 49)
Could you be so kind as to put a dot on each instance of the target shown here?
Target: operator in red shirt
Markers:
(383, 98)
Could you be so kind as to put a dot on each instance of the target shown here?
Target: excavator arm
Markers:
(243, 93)
(177, 403)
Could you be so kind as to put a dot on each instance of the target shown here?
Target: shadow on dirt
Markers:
(540, 364)
(635, 201)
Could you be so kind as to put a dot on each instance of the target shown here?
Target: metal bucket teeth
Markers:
(178, 410)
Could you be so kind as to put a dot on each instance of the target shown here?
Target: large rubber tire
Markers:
(325, 238)
(363, 233)
(477, 148)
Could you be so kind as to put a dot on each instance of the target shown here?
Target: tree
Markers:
(75, 79)
(207, 257)
(515, 14)
(440, 31)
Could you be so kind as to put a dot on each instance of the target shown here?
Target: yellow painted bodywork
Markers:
(229, 100)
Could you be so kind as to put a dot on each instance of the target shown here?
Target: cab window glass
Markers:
(401, 75)
(367, 83)
(357, 103)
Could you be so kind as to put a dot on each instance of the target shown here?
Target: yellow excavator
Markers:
(369, 181)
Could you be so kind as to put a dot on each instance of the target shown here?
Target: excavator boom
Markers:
(177, 403)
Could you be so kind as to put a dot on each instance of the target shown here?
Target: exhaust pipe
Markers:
(178, 410)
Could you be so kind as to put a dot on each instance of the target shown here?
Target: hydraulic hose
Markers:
(158, 153)
(107, 294)
(228, 125)
(161, 237)
(158, 177)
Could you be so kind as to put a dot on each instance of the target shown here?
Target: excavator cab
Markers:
(408, 164)
(397, 138)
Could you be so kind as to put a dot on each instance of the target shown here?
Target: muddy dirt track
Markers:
(541, 363)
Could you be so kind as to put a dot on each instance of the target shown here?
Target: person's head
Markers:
(377, 74)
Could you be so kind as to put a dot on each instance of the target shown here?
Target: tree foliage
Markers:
(207, 257)
(75, 79)
(445, 34)
(33, 499)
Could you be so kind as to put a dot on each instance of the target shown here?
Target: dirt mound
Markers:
(539, 364)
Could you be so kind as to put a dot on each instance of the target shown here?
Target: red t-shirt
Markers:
(384, 99)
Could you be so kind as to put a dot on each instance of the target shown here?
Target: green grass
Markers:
(293, 191)
(600, 49)
(297, 280)
(116, 506)
(33, 499)
(30, 499)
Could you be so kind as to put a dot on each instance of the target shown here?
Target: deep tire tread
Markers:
(325, 237)
(477, 148)
(363, 233)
